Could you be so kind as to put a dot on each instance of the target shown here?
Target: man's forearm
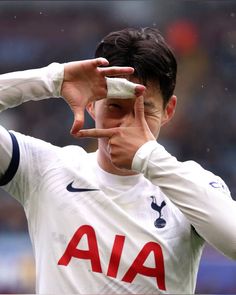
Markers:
(19, 87)
(200, 195)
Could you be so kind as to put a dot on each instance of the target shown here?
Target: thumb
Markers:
(139, 110)
(78, 120)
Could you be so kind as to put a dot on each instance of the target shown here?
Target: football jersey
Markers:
(97, 233)
(93, 232)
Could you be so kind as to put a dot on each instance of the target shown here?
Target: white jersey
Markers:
(97, 233)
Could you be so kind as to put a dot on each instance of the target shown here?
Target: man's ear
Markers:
(169, 110)
(91, 109)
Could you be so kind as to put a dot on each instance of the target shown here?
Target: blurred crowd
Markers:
(203, 37)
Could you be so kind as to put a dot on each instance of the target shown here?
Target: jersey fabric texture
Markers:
(97, 233)
(49, 182)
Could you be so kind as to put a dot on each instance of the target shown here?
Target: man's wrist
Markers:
(142, 156)
(56, 75)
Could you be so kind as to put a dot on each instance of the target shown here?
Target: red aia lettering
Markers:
(92, 252)
(115, 256)
(137, 267)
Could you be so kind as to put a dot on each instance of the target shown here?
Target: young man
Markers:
(128, 218)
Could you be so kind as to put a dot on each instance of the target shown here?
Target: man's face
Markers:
(110, 113)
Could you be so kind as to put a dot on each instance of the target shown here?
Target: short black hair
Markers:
(147, 52)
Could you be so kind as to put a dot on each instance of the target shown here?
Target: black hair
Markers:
(147, 52)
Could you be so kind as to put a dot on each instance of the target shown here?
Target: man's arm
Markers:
(78, 82)
(16, 88)
(6, 148)
(202, 197)
(19, 87)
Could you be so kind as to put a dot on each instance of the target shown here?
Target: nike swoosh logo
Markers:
(72, 189)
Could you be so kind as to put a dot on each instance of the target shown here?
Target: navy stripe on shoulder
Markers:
(14, 164)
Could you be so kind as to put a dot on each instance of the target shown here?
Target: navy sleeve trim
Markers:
(14, 164)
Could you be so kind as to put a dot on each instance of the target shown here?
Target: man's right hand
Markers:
(85, 81)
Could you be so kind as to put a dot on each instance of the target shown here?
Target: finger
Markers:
(122, 88)
(78, 120)
(100, 61)
(139, 90)
(139, 110)
(116, 71)
(96, 133)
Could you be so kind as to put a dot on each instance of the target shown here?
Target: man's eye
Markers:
(114, 106)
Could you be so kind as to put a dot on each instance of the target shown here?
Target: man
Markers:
(128, 218)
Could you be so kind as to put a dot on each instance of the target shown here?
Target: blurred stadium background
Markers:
(203, 35)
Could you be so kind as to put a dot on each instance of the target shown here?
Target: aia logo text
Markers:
(134, 268)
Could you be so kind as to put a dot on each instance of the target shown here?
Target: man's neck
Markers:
(105, 163)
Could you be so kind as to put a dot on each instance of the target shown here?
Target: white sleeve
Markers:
(19, 87)
(28, 161)
(201, 196)
(6, 148)
(37, 84)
